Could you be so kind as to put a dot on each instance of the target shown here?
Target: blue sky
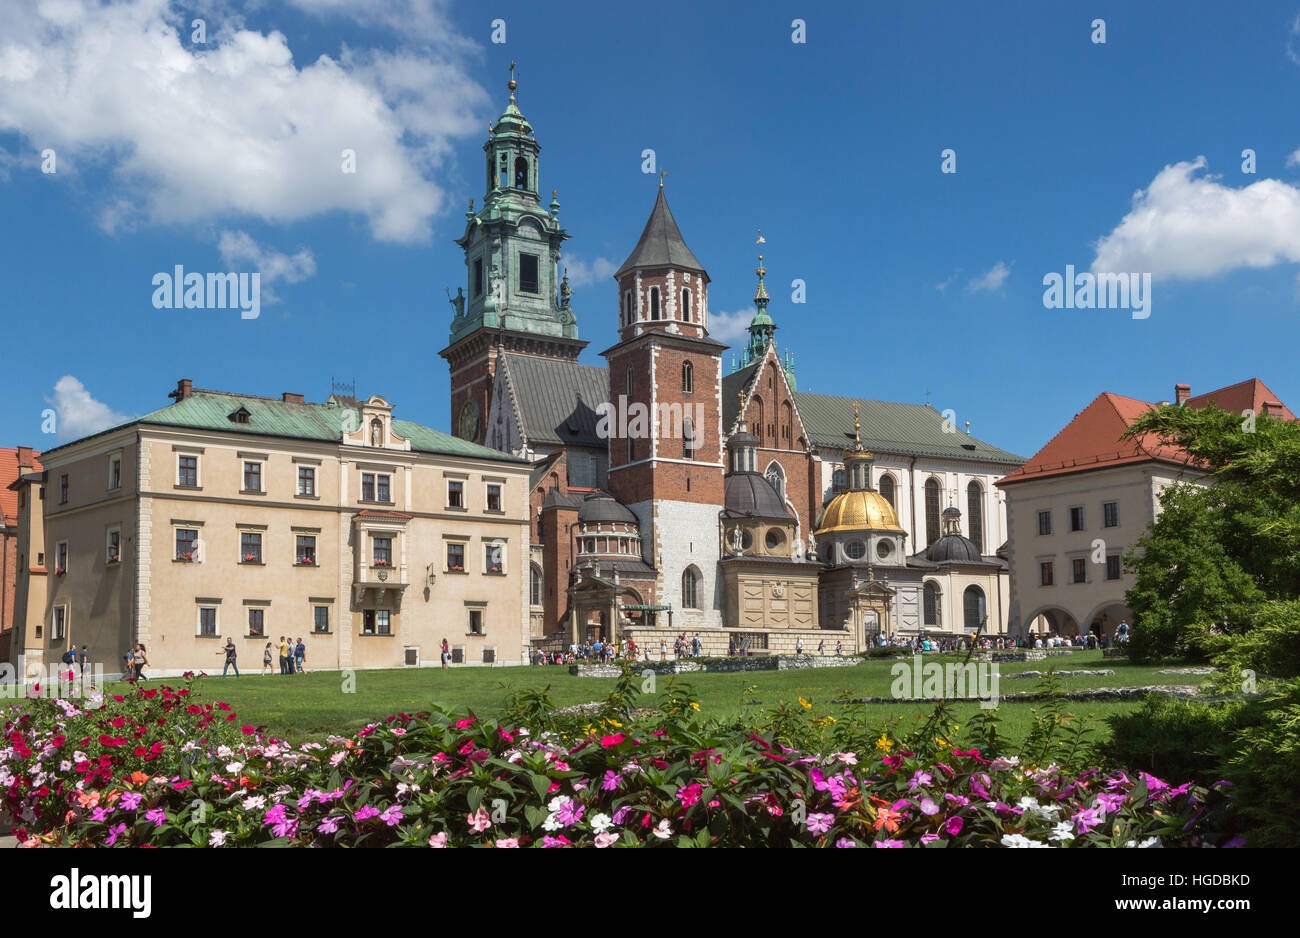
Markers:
(224, 156)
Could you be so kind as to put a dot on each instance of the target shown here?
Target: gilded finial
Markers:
(857, 425)
(512, 84)
(555, 193)
(662, 174)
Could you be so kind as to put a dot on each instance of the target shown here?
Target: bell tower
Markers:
(516, 297)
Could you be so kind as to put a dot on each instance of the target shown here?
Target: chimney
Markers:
(1272, 408)
(26, 459)
(1182, 394)
(290, 398)
(184, 388)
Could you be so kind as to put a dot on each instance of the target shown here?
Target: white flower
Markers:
(1064, 830)
(234, 767)
(1149, 842)
(552, 823)
(663, 831)
(217, 839)
(601, 823)
(1002, 763)
(254, 803)
(558, 802)
(1020, 840)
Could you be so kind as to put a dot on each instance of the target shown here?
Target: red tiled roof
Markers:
(8, 473)
(1252, 395)
(1091, 439)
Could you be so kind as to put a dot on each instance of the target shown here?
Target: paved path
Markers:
(8, 841)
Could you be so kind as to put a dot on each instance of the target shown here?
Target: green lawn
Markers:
(311, 706)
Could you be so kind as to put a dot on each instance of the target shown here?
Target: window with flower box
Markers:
(61, 558)
(113, 546)
(306, 550)
(493, 558)
(455, 558)
(187, 545)
(250, 547)
(257, 622)
(382, 551)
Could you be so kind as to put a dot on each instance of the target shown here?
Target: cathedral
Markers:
(672, 496)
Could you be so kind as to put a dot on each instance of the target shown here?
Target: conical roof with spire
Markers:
(661, 243)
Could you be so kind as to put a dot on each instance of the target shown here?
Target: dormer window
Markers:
(240, 416)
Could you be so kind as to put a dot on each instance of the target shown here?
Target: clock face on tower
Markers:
(467, 422)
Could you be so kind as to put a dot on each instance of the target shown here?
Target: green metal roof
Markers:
(887, 426)
(212, 410)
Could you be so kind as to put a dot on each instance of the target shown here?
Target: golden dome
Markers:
(859, 510)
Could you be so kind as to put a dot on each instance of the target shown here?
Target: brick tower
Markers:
(665, 441)
(517, 299)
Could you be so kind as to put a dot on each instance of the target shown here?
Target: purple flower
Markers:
(570, 813)
(919, 779)
(846, 842)
(1087, 819)
(929, 838)
(131, 800)
(929, 807)
(1153, 784)
(366, 812)
(157, 815)
(621, 814)
(1109, 803)
(113, 833)
(820, 823)
(392, 817)
(953, 826)
(611, 781)
(886, 843)
(328, 825)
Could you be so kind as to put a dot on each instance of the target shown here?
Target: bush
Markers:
(885, 651)
(446, 778)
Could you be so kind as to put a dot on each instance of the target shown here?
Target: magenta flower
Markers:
(559, 841)
(157, 815)
(113, 833)
(1087, 819)
(690, 794)
(478, 821)
(392, 816)
(953, 826)
(1109, 803)
(918, 779)
(611, 781)
(928, 838)
(364, 813)
(887, 843)
(820, 823)
(621, 814)
(1153, 784)
(569, 813)
(846, 842)
(131, 800)
(328, 825)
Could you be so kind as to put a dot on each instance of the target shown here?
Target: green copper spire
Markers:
(762, 330)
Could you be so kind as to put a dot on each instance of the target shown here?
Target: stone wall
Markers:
(720, 665)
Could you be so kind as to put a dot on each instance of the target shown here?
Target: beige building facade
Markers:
(371, 538)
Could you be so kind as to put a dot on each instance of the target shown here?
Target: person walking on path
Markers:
(266, 660)
(284, 656)
(300, 656)
(230, 652)
(84, 659)
(446, 654)
(141, 662)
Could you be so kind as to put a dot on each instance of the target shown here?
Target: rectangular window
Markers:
(1045, 573)
(382, 493)
(478, 276)
(306, 480)
(113, 549)
(63, 490)
(476, 622)
(1076, 519)
(456, 558)
(383, 552)
(187, 545)
(321, 618)
(492, 558)
(253, 477)
(256, 622)
(1113, 567)
(455, 494)
(250, 547)
(60, 622)
(1044, 522)
(208, 621)
(367, 486)
(375, 622)
(61, 558)
(115, 472)
(187, 471)
(1079, 570)
(527, 273)
(1110, 514)
(307, 550)
(494, 498)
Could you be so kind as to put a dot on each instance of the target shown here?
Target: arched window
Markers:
(837, 480)
(535, 585)
(776, 478)
(688, 377)
(627, 307)
(686, 305)
(932, 607)
(975, 514)
(654, 302)
(521, 174)
(688, 438)
(887, 489)
(690, 588)
(931, 511)
(787, 420)
(756, 405)
(973, 603)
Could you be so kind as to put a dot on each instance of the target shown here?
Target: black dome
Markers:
(600, 506)
(748, 493)
(953, 548)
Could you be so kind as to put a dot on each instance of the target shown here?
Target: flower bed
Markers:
(158, 768)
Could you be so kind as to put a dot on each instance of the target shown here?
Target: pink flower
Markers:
(605, 839)
(328, 825)
(820, 823)
(478, 821)
(505, 734)
(364, 813)
(465, 724)
(157, 815)
(607, 742)
(929, 838)
(1153, 784)
(1087, 819)
(918, 779)
(131, 800)
(611, 781)
(953, 826)
(113, 833)
(507, 842)
(392, 816)
(438, 840)
(846, 842)
(559, 841)
(928, 807)
(887, 843)
(689, 794)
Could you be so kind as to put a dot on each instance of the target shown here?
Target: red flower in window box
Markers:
(250, 558)
(58, 571)
(185, 558)
(383, 563)
(458, 568)
(307, 561)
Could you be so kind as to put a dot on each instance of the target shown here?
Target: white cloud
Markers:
(1293, 41)
(233, 127)
(242, 254)
(943, 287)
(991, 280)
(1190, 226)
(427, 20)
(1293, 159)
(78, 413)
(582, 273)
(730, 327)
